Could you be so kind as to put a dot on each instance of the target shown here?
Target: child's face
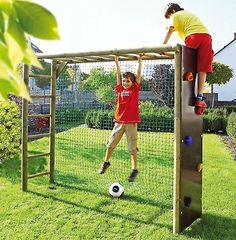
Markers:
(126, 82)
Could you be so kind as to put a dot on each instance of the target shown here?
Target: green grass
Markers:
(78, 207)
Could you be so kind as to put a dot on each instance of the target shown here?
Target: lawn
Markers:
(79, 207)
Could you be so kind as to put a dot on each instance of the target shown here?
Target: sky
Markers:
(94, 25)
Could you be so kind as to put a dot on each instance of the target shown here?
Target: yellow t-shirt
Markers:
(187, 23)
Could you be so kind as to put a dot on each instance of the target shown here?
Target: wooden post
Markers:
(52, 119)
(177, 143)
(24, 134)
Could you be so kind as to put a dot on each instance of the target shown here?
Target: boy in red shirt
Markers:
(195, 35)
(126, 116)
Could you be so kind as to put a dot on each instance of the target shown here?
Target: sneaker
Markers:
(133, 175)
(104, 167)
(200, 106)
(200, 103)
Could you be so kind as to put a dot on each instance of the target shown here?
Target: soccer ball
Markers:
(116, 190)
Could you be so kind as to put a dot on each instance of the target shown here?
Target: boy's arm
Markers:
(118, 81)
(139, 75)
(168, 34)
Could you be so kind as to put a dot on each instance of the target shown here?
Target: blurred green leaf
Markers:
(30, 58)
(36, 20)
(15, 52)
(14, 85)
(16, 32)
(17, 19)
(5, 5)
(4, 60)
(2, 23)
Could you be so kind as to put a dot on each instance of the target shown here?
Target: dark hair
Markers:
(129, 75)
(170, 7)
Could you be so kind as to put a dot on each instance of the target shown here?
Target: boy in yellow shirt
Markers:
(195, 35)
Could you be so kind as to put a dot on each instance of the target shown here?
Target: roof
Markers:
(225, 46)
(35, 48)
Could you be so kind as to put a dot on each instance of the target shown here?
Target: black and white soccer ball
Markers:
(116, 190)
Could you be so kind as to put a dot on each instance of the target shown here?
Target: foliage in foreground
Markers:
(19, 20)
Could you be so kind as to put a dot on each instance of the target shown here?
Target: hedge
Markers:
(10, 125)
(231, 125)
(159, 120)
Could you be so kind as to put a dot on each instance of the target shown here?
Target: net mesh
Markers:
(85, 104)
(84, 120)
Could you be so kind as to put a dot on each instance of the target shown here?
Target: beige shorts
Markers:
(130, 129)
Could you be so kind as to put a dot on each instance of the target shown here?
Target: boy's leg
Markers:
(131, 134)
(108, 154)
(115, 137)
(201, 82)
(134, 162)
(200, 104)
(203, 43)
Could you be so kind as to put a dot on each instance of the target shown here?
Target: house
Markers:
(35, 48)
(32, 82)
(226, 55)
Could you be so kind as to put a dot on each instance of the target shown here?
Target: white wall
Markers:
(227, 56)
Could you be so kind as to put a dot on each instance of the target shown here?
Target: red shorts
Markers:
(203, 43)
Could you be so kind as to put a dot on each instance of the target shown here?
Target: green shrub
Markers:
(90, 118)
(99, 119)
(215, 120)
(147, 107)
(70, 115)
(161, 120)
(231, 125)
(230, 109)
(9, 130)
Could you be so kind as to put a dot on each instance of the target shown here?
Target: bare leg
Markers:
(200, 104)
(134, 163)
(201, 81)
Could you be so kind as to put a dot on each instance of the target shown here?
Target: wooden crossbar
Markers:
(38, 155)
(38, 175)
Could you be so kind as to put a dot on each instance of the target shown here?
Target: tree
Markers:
(103, 82)
(221, 74)
(162, 84)
(18, 20)
(98, 77)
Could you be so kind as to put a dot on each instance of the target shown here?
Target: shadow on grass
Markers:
(11, 168)
(213, 227)
(98, 210)
(75, 183)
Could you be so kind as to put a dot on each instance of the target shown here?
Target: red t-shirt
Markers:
(127, 110)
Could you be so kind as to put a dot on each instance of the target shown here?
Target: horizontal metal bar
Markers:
(39, 115)
(39, 135)
(39, 75)
(38, 155)
(38, 175)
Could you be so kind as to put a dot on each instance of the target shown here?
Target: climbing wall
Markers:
(191, 141)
